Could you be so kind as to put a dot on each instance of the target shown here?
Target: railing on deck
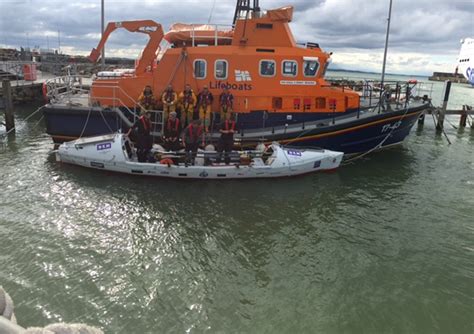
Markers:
(373, 94)
(70, 90)
(213, 34)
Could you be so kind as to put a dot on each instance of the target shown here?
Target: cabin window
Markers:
(289, 68)
(326, 65)
(200, 69)
(220, 69)
(264, 26)
(310, 67)
(267, 68)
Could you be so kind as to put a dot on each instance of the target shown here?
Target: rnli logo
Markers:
(104, 146)
(242, 75)
(203, 174)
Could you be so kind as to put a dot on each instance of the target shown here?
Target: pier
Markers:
(443, 76)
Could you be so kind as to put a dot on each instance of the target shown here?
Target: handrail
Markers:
(64, 88)
(216, 37)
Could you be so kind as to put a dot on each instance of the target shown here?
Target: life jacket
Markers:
(226, 99)
(188, 97)
(169, 96)
(205, 98)
(147, 99)
(169, 126)
(227, 125)
(146, 123)
(193, 136)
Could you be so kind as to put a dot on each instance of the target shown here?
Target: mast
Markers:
(386, 42)
(243, 7)
(101, 35)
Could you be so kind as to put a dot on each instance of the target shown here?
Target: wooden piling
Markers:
(421, 119)
(7, 96)
(442, 111)
(463, 118)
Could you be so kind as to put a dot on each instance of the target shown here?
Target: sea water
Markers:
(382, 245)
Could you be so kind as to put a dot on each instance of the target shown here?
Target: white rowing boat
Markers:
(116, 153)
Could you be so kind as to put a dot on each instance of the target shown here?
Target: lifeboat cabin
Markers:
(274, 80)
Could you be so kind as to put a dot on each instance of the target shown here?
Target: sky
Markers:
(424, 36)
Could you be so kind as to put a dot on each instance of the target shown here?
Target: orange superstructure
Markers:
(258, 60)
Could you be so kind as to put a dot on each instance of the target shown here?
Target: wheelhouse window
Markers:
(200, 69)
(220, 69)
(289, 68)
(267, 68)
(310, 66)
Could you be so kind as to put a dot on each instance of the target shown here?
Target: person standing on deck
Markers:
(147, 100)
(226, 142)
(204, 103)
(192, 136)
(142, 136)
(171, 133)
(169, 99)
(187, 102)
(226, 101)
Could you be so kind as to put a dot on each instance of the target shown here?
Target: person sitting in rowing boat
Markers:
(169, 99)
(147, 100)
(171, 133)
(226, 142)
(192, 136)
(204, 104)
(142, 136)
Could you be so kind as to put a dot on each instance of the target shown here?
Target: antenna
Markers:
(386, 42)
(243, 8)
(102, 34)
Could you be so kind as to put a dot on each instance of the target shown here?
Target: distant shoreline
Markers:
(375, 73)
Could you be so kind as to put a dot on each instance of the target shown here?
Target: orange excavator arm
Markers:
(149, 27)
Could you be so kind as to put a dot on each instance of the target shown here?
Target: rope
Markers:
(26, 118)
(379, 145)
(85, 124)
(105, 121)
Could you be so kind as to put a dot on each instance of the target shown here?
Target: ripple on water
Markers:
(383, 239)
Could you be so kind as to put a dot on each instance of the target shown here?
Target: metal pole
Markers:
(7, 95)
(59, 42)
(102, 32)
(386, 42)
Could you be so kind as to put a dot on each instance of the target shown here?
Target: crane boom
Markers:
(151, 28)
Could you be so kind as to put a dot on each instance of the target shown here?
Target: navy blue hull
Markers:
(354, 135)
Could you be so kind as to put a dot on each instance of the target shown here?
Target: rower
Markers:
(142, 136)
(171, 133)
(192, 136)
(226, 142)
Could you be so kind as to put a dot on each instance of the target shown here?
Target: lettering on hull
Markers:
(231, 86)
(297, 83)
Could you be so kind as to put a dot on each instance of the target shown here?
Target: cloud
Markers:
(424, 36)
